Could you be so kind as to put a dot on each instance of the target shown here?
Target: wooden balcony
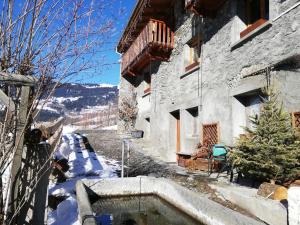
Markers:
(155, 42)
(205, 8)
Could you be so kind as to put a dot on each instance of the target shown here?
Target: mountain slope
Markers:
(78, 98)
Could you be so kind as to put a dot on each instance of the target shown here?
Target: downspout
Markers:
(200, 71)
(200, 79)
(120, 61)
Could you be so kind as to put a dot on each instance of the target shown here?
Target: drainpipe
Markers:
(200, 77)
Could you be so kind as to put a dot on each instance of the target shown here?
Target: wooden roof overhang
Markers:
(143, 12)
(205, 8)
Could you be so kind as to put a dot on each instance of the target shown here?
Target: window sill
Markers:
(258, 30)
(191, 69)
(191, 66)
(253, 27)
(147, 90)
(146, 94)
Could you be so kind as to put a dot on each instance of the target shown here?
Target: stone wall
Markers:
(225, 59)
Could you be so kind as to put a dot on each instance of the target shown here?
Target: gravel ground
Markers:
(108, 144)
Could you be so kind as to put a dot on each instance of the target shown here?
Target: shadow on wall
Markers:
(137, 79)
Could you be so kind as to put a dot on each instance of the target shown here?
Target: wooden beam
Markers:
(7, 101)
(17, 159)
(17, 79)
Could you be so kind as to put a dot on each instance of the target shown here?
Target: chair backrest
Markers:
(219, 150)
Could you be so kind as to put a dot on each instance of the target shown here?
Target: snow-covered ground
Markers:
(83, 165)
(114, 127)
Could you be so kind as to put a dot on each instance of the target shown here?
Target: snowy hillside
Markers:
(78, 98)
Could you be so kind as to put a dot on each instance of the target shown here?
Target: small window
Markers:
(147, 81)
(256, 10)
(256, 14)
(193, 52)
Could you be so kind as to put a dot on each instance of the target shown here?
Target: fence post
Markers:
(17, 159)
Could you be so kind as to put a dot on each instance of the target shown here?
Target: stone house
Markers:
(197, 68)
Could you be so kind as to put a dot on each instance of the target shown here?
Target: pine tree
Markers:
(270, 150)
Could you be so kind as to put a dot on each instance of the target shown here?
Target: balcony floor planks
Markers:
(153, 52)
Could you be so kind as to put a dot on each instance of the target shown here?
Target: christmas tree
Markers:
(271, 149)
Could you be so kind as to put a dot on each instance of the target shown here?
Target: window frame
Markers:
(263, 18)
(194, 47)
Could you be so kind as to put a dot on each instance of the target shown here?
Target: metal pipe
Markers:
(128, 155)
(123, 150)
(285, 12)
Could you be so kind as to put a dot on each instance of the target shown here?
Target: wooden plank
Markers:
(7, 101)
(168, 37)
(164, 34)
(154, 31)
(150, 27)
(17, 160)
(17, 79)
(172, 39)
(159, 32)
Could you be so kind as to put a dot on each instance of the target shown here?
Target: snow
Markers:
(294, 205)
(84, 164)
(114, 127)
(68, 129)
(66, 213)
(61, 100)
(94, 108)
(104, 85)
(5, 180)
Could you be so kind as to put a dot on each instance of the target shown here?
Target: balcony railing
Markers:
(155, 42)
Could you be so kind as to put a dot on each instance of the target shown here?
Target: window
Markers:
(256, 10)
(147, 79)
(192, 55)
(256, 14)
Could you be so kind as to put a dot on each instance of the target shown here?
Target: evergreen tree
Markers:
(270, 150)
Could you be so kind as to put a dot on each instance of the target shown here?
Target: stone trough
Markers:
(193, 204)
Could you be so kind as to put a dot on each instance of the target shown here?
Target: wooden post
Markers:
(17, 160)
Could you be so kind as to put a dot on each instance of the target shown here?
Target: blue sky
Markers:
(111, 73)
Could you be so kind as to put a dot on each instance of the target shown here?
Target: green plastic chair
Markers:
(219, 153)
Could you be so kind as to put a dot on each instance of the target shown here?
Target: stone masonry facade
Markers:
(225, 87)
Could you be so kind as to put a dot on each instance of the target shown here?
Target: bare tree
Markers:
(128, 111)
(51, 41)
